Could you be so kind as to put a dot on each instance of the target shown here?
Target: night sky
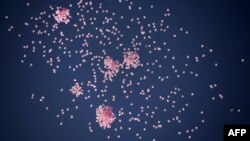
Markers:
(191, 80)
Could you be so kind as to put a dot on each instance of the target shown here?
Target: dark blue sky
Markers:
(222, 25)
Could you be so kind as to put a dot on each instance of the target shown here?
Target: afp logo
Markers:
(236, 132)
